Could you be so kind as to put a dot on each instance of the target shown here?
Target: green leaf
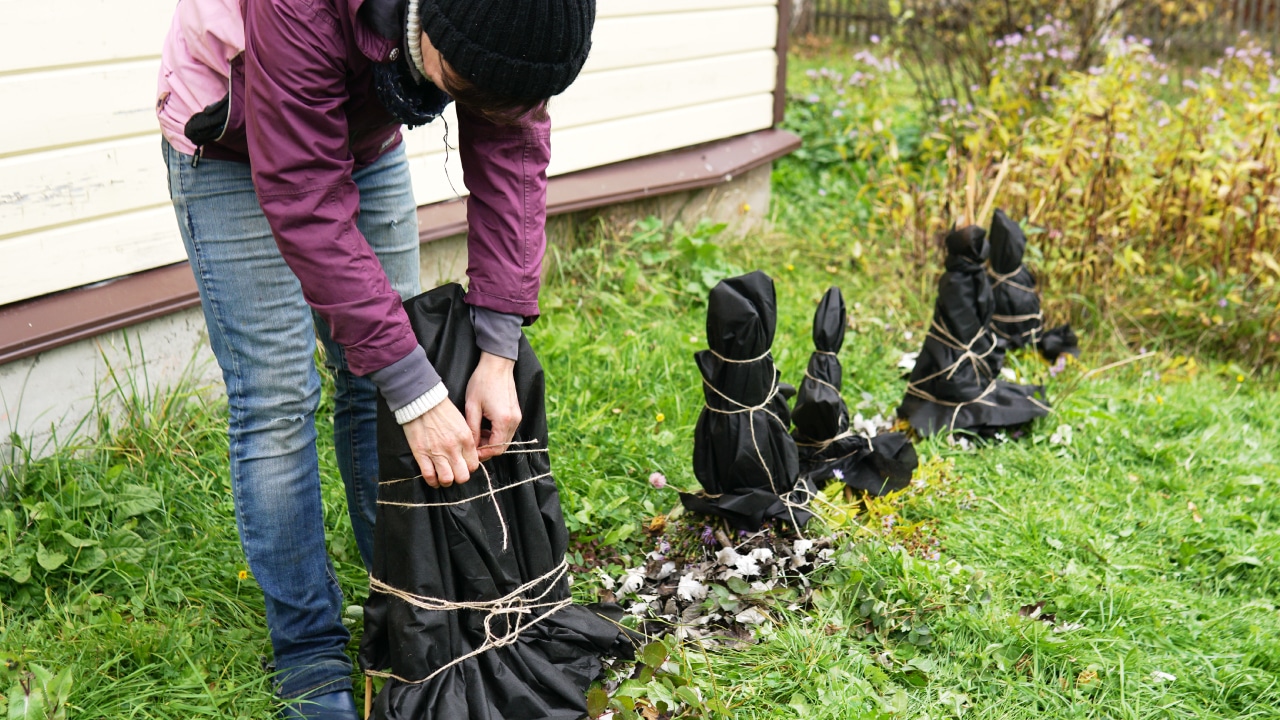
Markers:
(76, 542)
(57, 692)
(654, 654)
(49, 559)
(738, 585)
(89, 559)
(134, 500)
(597, 701)
(27, 703)
(689, 696)
(18, 568)
(1235, 561)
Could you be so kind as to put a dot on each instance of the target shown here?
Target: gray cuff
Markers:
(406, 379)
(497, 333)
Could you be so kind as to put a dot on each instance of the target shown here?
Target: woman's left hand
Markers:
(491, 395)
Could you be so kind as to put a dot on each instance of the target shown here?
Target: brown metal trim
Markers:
(783, 44)
(45, 323)
(689, 168)
(34, 326)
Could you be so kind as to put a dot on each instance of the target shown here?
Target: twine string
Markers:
(751, 410)
(513, 604)
(942, 335)
(767, 355)
(998, 279)
(491, 492)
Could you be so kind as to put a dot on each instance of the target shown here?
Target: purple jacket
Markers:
(303, 114)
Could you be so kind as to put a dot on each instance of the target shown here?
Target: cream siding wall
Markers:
(83, 193)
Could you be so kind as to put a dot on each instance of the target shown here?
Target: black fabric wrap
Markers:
(962, 396)
(1017, 317)
(821, 416)
(1057, 342)
(456, 553)
(1015, 297)
(408, 101)
(744, 460)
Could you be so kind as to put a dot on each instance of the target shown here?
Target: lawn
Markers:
(1119, 560)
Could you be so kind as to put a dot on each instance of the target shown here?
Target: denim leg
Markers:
(389, 221)
(262, 334)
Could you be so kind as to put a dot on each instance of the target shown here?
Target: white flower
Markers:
(631, 581)
(1008, 374)
(1061, 436)
(691, 589)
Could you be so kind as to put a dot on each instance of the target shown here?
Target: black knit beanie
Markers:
(525, 50)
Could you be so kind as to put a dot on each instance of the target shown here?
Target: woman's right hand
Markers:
(442, 443)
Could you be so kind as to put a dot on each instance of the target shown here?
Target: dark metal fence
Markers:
(1200, 40)
(859, 20)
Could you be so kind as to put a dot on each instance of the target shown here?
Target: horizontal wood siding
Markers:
(83, 193)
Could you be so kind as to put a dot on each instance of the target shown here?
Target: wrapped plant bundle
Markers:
(954, 384)
(826, 446)
(1018, 318)
(742, 454)
(469, 615)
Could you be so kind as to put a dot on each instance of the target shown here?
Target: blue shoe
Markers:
(339, 705)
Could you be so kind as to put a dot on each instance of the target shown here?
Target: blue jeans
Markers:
(263, 335)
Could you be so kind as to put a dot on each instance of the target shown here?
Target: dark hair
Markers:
(496, 108)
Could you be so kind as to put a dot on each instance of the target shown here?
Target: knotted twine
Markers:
(940, 334)
(786, 497)
(513, 603)
(998, 279)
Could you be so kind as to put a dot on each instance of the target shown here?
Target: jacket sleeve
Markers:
(505, 168)
(295, 78)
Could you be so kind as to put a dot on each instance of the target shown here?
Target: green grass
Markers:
(1101, 530)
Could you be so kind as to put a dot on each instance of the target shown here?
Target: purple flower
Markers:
(1058, 366)
(875, 39)
(708, 535)
(664, 547)
(1222, 303)
(837, 474)
(657, 480)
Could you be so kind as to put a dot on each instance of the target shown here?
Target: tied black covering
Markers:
(742, 454)
(827, 448)
(1018, 317)
(469, 614)
(954, 384)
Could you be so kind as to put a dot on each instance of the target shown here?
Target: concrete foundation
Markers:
(52, 400)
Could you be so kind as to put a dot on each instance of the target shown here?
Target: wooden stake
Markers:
(995, 187)
(368, 697)
(970, 195)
